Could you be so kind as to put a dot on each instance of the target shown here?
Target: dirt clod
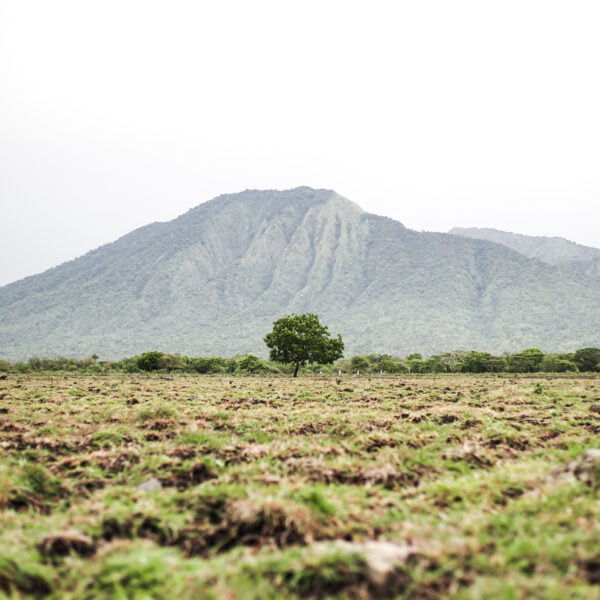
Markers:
(591, 570)
(64, 543)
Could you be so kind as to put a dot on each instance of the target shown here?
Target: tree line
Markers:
(302, 341)
(530, 360)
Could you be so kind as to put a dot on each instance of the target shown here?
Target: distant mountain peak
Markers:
(276, 199)
(554, 251)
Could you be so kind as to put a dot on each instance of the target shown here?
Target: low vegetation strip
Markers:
(420, 487)
(530, 360)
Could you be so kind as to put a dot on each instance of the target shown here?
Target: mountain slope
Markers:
(213, 280)
(552, 250)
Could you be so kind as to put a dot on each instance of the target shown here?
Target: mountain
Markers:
(552, 250)
(213, 280)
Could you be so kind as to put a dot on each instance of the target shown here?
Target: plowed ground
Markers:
(200, 487)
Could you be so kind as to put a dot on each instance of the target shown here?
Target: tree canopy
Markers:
(302, 339)
(587, 359)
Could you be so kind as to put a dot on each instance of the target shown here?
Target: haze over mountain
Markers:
(555, 251)
(213, 280)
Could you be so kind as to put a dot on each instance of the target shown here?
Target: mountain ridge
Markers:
(556, 251)
(214, 279)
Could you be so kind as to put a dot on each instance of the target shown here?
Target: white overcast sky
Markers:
(114, 114)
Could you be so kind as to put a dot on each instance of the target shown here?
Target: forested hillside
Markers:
(212, 281)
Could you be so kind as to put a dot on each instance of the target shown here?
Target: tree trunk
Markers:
(296, 369)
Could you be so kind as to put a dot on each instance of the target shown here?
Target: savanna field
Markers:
(420, 487)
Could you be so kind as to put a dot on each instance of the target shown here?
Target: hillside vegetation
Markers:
(212, 281)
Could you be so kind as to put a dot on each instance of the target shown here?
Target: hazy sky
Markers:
(114, 114)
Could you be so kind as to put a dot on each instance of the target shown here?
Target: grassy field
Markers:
(456, 487)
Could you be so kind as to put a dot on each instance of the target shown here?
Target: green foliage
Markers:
(62, 363)
(433, 365)
(388, 365)
(360, 363)
(40, 481)
(414, 363)
(329, 575)
(565, 366)
(527, 361)
(530, 360)
(301, 339)
(480, 362)
(149, 361)
(207, 364)
(587, 359)
(558, 363)
(251, 364)
(18, 580)
(373, 363)
(387, 287)
(172, 362)
(453, 360)
(146, 573)
(158, 411)
(314, 496)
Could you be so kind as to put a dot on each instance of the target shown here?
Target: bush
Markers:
(360, 363)
(6, 366)
(149, 361)
(251, 364)
(207, 364)
(172, 362)
(587, 359)
(553, 363)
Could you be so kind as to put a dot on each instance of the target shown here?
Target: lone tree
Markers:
(301, 339)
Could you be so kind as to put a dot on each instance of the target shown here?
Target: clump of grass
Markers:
(18, 580)
(40, 481)
(329, 574)
(35, 488)
(314, 497)
(136, 572)
(108, 438)
(207, 439)
(159, 411)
